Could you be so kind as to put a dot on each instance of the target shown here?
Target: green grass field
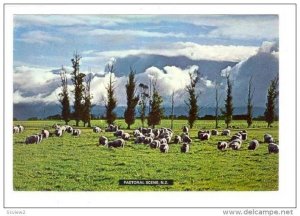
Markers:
(77, 164)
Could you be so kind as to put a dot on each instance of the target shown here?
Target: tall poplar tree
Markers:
(77, 79)
(132, 99)
(64, 96)
(271, 101)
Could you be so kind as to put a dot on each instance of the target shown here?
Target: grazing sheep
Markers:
(119, 133)
(45, 133)
(144, 130)
(235, 145)
(185, 129)
(273, 148)
(226, 132)
(125, 136)
(233, 141)
(222, 145)
(139, 139)
(16, 129)
(111, 128)
(164, 148)
(244, 136)
(40, 137)
(184, 134)
(63, 128)
(156, 132)
(236, 136)
(69, 129)
(203, 135)
(163, 141)
(185, 148)
(148, 140)
(76, 132)
(177, 139)
(186, 139)
(116, 143)
(32, 139)
(55, 126)
(168, 138)
(155, 144)
(253, 145)
(96, 129)
(21, 128)
(58, 132)
(103, 140)
(268, 138)
(214, 132)
(136, 133)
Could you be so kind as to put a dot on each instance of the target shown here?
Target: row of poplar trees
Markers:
(149, 94)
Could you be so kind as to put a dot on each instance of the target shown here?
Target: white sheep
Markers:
(214, 132)
(185, 148)
(155, 144)
(16, 129)
(268, 138)
(58, 132)
(164, 148)
(222, 145)
(185, 129)
(69, 129)
(186, 139)
(177, 139)
(45, 133)
(139, 139)
(125, 136)
(273, 148)
(253, 145)
(21, 128)
(32, 139)
(96, 129)
(103, 140)
(235, 145)
(116, 143)
(148, 140)
(76, 132)
(226, 132)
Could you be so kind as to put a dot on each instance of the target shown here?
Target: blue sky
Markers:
(42, 43)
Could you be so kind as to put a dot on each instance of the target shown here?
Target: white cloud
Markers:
(132, 33)
(38, 37)
(67, 20)
(38, 98)
(190, 50)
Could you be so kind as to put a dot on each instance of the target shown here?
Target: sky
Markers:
(43, 43)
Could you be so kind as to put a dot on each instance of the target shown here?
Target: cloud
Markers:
(263, 66)
(190, 50)
(38, 37)
(132, 33)
(38, 98)
(66, 20)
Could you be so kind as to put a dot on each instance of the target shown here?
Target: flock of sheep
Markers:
(159, 138)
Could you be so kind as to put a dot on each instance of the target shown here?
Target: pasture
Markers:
(71, 163)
